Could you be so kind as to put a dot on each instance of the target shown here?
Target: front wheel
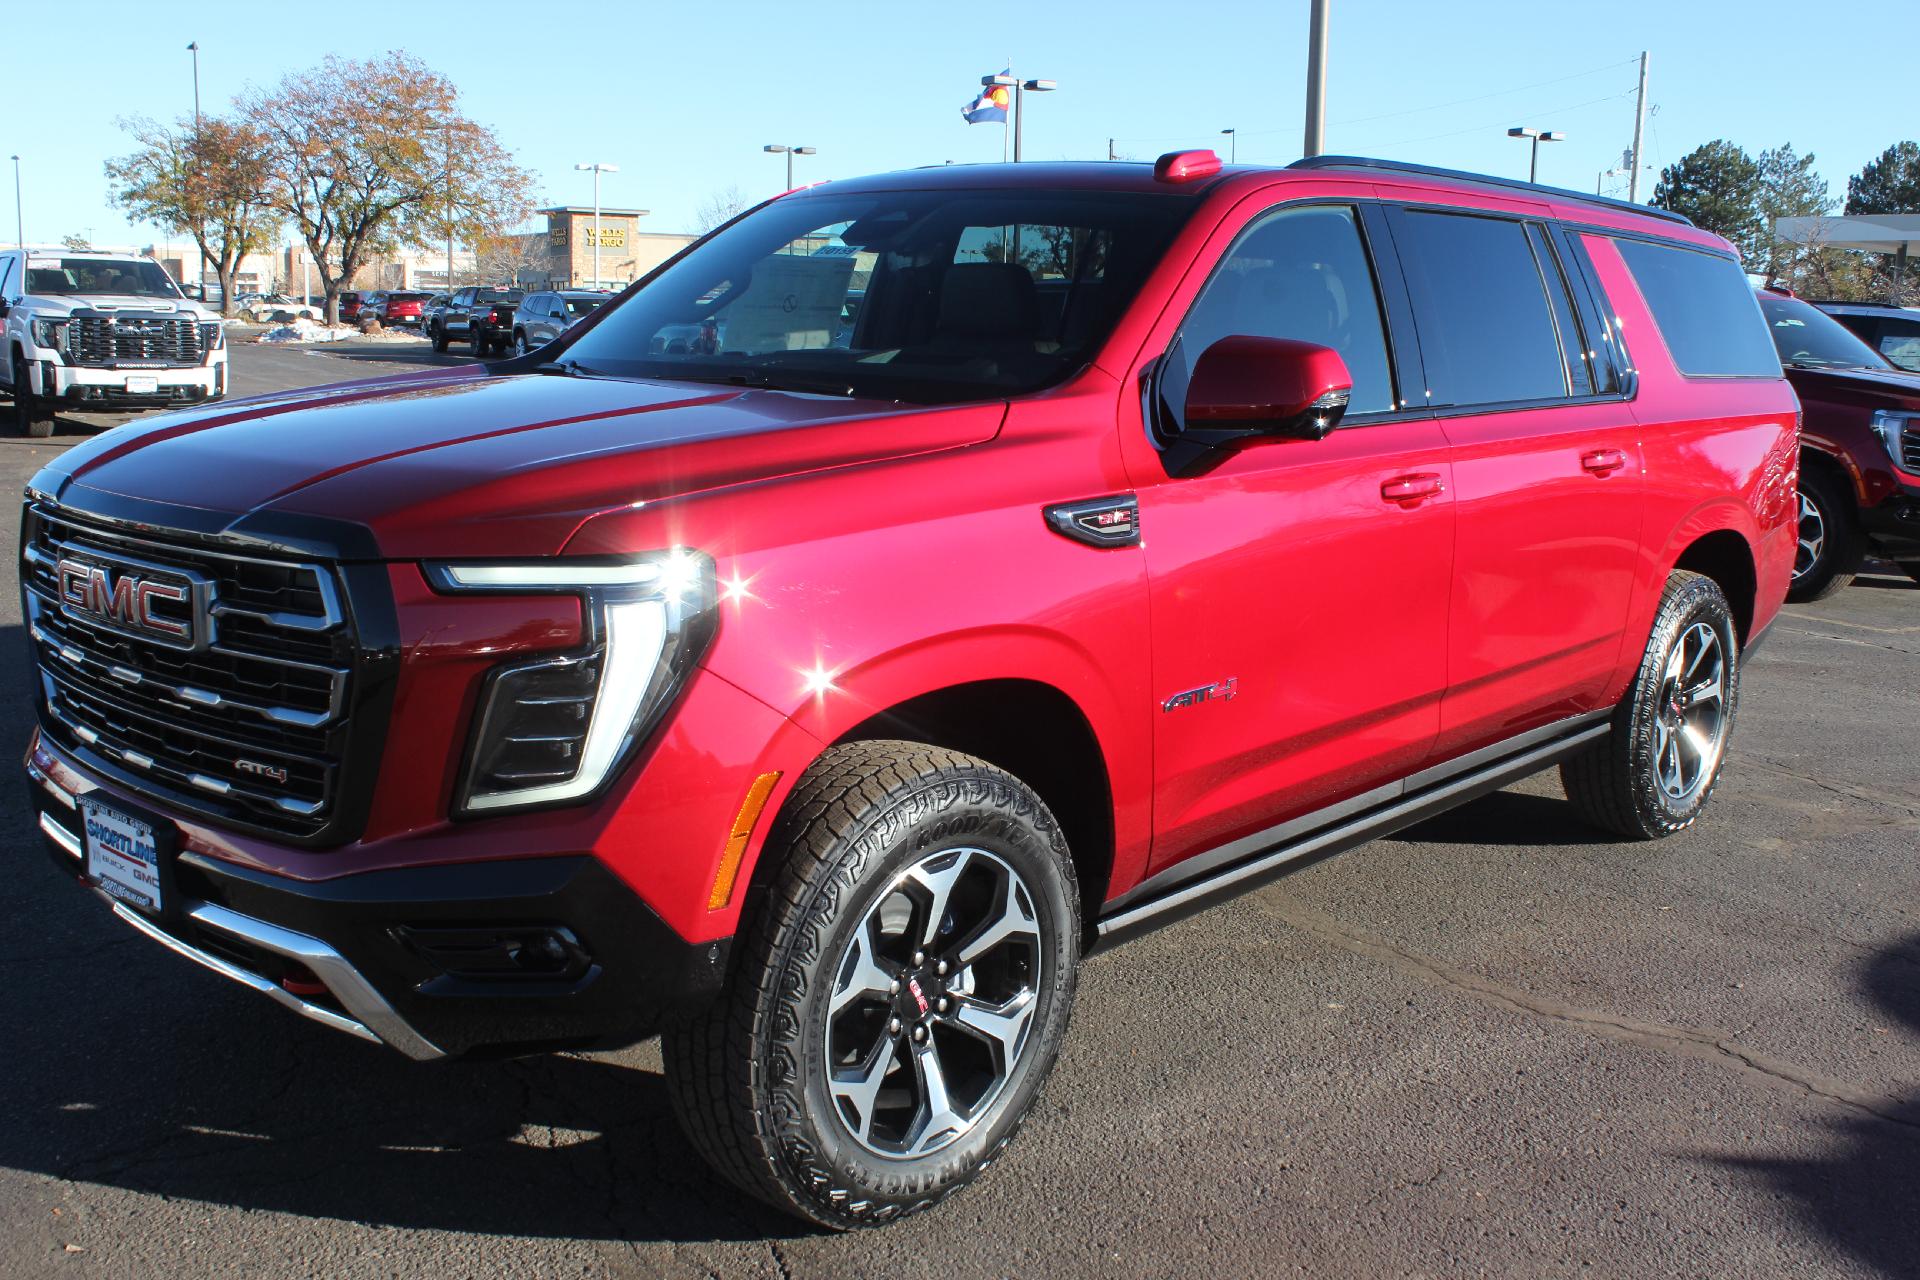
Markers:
(904, 984)
(1655, 772)
(1830, 547)
(439, 340)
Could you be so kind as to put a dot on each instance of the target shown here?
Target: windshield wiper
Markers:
(565, 368)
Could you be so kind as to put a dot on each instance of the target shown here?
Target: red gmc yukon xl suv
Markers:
(1014, 558)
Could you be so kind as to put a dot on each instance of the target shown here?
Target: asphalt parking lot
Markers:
(1496, 1045)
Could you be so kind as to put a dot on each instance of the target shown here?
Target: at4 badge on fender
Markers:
(1218, 691)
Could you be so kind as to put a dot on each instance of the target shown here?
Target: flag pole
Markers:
(1006, 122)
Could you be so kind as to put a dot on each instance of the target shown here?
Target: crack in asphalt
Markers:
(1698, 1043)
(1866, 644)
(1889, 799)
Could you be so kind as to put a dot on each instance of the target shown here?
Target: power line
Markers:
(1493, 124)
(1499, 93)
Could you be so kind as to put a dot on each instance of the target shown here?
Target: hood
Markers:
(1882, 388)
(59, 304)
(463, 463)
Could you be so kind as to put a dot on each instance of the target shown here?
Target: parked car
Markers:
(455, 321)
(818, 705)
(90, 330)
(275, 308)
(1894, 332)
(396, 309)
(1859, 449)
(542, 317)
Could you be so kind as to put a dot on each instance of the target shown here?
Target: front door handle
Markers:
(1409, 489)
(1603, 461)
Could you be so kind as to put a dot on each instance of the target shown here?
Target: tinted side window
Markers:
(1303, 274)
(1486, 330)
(1705, 309)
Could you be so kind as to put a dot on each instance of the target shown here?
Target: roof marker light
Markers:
(1185, 166)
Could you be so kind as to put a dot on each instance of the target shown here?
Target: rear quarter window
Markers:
(1705, 309)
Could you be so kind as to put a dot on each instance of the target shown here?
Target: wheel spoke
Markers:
(1708, 690)
(860, 1085)
(1001, 1026)
(862, 974)
(937, 1116)
(939, 886)
(1013, 919)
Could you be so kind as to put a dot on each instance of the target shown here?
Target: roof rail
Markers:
(1483, 179)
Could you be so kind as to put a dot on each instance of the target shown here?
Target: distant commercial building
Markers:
(563, 256)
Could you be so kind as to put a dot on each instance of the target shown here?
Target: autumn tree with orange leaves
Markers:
(208, 182)
(366, 156)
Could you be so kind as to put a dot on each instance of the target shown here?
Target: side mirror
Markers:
(1245, 386)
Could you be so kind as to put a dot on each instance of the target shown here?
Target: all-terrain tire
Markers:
(1616, 784)
(1842, 545)
(749, 1076)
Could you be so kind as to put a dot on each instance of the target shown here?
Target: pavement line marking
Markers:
(1823, 620)
(1698, 1043)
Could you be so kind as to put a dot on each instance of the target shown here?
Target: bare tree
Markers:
(720, 206)
(506, 258)
(393, 162)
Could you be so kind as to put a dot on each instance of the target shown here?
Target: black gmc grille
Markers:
(155, 340)
(253, 726)
(1910, 449)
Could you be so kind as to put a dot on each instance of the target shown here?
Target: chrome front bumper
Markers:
(368, 1015)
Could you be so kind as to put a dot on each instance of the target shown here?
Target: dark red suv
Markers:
(1034, 553)
(1859, 448)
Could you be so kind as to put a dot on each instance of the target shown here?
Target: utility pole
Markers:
(1317, 80)
(194, 49)
(448, 130)
(20, 221)
(1639, 125)
(1109, 148)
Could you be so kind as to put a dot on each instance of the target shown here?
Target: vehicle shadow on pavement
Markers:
(1864, 1197)
(1507, 818)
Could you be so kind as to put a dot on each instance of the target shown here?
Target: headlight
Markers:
(50, 333)
(213, 334)
(556, 729)
(1889, 425)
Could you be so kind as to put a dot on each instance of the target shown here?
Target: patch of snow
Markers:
(305, 330)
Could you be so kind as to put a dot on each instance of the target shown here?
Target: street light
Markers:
(1233, 145)
(597, 169)
(1021, 88)
(1539, 136)
(194, 49)
(790, 153)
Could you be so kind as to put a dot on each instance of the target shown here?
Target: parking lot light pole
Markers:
(19, 221)
(1233, 145)
(1538, 136)
(598, 169)
(790, 153)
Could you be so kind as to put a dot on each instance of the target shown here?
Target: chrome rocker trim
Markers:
(1249, 862)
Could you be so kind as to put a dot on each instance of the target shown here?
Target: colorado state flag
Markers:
(991, 106)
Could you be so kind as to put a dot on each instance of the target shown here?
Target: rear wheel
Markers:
(903, 988)
(1655, 772)
(32, 416)
(519, 342)
(476, 340)
(1830, 546)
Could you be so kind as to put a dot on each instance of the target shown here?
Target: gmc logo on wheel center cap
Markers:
(165, 607)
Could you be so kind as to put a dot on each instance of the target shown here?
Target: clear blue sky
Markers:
(682, 96)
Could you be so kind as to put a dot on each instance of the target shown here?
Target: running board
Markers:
(1170, 896)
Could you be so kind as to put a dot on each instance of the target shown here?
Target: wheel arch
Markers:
(1725, 556)
(1037, 733)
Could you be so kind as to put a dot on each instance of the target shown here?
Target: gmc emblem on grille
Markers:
(132, 601)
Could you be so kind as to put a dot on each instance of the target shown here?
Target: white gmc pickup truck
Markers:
(102, 331)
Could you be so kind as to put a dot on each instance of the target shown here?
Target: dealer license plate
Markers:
(123, 857)
(142, 386)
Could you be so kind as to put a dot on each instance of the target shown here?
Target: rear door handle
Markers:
(1410, 489)
(1603, 461)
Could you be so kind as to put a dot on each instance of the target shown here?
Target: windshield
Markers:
(932, 297)
(124, 277)
(1812, 339)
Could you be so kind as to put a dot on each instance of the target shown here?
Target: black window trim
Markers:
(1596, 308)
(1397, 209)
(1667, 242)
(1396, 314)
